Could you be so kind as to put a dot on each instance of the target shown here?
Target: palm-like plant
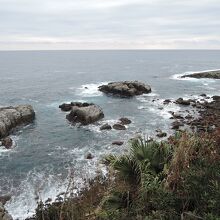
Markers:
(144, 156)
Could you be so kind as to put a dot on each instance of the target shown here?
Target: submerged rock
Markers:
(10, 117)
(85, 114)
(119, 143)
(125, 88)
(161, 134)
(208, 74)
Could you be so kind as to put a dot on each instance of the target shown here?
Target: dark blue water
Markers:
(47, 150)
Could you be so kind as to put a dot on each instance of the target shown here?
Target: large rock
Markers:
(125, 89)
(125, 121)
(85, 114)
(208, 74)
(119, 126)
(10, 117)
(68, 106)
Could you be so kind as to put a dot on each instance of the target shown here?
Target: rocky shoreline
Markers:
(10, 118)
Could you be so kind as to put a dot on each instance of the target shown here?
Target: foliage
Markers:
(176, 179)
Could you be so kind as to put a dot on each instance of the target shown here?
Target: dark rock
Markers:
(4, 214)
(106, 127)
(89, 156)
(85, 115)
(166, 101)
(208, 74)
(176, 125)
(119, 127)
(125, 121)
(65, 107)
(119, 143)
(7, 142)
(181, 101)
(203, 95)
(161, 134)
(4, 199)
(10, 117)
(125, 88)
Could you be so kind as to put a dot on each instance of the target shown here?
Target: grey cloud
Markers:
(93, 23)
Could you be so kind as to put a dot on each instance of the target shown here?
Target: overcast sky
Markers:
(109, 24)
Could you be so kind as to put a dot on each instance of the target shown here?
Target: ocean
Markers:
(48, 150)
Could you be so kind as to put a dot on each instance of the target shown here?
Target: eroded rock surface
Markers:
(125, 88)
(10, 117)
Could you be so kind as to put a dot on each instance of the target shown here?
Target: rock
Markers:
(161, 134)
(203, 95)
(166, 101)
(89, 156)
(106, 127)
(176, 125)
(208, 74)
(4, 214)
(119, 127)
(4, 199)
(125, 88)
(7, 142)
(177, 116)
(125, 121)
(66, 107)
(10, 117)
(85, 114)
(119, 143)
(181, 101)
(216, 98)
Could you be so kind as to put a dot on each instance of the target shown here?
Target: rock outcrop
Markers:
(10, 117)
(125, 88)
(208, 74)
(4, 215)
(66, 107)
(85, 114)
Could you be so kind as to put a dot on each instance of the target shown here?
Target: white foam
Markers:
(90, 90)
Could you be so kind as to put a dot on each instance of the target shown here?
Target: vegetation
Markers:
(175, 179)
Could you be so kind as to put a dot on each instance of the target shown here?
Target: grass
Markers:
(175, 179)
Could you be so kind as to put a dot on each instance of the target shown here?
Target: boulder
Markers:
(106, 127)
(125, 88)
(10, 117)
(118, 126)
(181, 101)
(7, 142)
(125, 121)
(85, 114)
(208, 74)
(119, 143)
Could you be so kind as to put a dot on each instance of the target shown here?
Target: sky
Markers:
(109, 24)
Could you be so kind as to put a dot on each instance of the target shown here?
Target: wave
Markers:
(89, 90)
